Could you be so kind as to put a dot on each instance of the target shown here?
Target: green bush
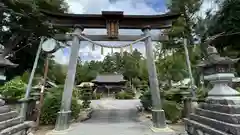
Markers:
(201, 93)
(136, 82)
(173, 109)
(146, 100)
(51, 106)
(238, 89)
(144, 88)
(77, 93)
(86, 96)
(124, 95)
(97, 96)
(13, 89)
(120, 95)
(172, 95)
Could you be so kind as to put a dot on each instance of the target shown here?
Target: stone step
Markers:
(8, 115)
(233, 129)
(4, 109)
(17, 128)
(229, 118)
(230, 109)
(10, 122)
(191, 124)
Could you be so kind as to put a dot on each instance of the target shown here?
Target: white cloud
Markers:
(206, 6)
(60, 57)
(95, 7)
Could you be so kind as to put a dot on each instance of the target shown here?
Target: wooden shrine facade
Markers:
(109, 84)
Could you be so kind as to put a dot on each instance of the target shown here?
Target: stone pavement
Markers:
(113, 117)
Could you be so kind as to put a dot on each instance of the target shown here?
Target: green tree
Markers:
(22, 25)
(225, 22)
(108, 64)
(170, 55)
(185, 23)
(57, 72)
(130, 69)
(87, 71)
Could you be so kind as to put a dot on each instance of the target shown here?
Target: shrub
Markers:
(124, 95)
(77, 93)
(96, 95)
(238, 89)
(13, 89)
(144, 88)
(51, 106)
(172, 108)
(86, 96)
(172, 95)
(201, 93)
(146, 100)
(120, 95)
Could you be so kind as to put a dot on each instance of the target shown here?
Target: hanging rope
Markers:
(121, 51)
(131, 48)
(102, 50)
(93, 47)
(111, 50)
(107, 46)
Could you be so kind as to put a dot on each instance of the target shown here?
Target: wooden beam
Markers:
(64, 37)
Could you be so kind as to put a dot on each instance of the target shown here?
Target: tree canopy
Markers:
(22, 25)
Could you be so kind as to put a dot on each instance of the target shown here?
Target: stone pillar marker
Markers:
(220, 113)
(65, 111)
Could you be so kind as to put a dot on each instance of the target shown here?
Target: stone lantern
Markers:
(4, 63)
(220, 113)
(219, 71)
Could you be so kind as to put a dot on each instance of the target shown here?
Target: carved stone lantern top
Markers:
(213, 58)
(215, 64)
(3, 61)
(6, 63)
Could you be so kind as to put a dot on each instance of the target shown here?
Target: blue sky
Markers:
(137, 7)
(140, 7)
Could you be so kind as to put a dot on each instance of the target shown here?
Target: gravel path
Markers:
(116, 117)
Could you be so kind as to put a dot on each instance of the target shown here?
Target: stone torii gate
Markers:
(112, 21)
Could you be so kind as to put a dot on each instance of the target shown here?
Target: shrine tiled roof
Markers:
(109, 78)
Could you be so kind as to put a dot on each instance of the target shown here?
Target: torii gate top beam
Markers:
(99, 20)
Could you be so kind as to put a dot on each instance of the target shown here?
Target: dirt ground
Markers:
(43, 130)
